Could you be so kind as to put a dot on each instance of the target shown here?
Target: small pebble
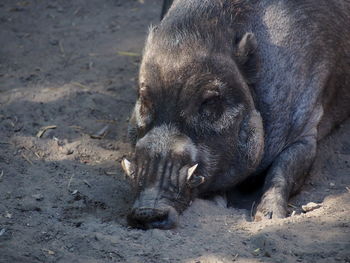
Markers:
(38, 197)
(8, 215)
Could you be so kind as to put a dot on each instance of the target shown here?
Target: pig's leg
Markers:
(285, 176)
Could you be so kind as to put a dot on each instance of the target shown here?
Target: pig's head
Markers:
(194, 126)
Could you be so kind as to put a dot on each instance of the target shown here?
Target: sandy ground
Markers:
(63, 197)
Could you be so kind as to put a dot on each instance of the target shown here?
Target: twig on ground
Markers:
(76, 127)
(30, 150)
(70, 181)
(77, 11)
(60, 43)
(107, 121)
(27, 159)
(110, 173)
(87, 183)
(79, 85)
(252, 211)
(44, 129)
(128, 54)
(292, 206)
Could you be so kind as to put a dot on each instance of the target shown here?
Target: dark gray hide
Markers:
(165, 7)
(237, 87)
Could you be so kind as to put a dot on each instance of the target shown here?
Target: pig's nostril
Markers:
(146, 218)
(148, 214)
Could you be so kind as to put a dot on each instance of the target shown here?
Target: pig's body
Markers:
(280, 74)
(304, 75)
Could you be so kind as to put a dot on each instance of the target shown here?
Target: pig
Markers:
(165, 7)
(231, 90)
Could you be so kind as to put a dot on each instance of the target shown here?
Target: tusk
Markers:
(126, 165)
(191, 171)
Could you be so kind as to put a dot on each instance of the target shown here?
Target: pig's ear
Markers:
(245, 56)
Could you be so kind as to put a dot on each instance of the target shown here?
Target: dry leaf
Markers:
(101, 133)
(50, 252)
(79, 85)
(128, 54)
(44, 129)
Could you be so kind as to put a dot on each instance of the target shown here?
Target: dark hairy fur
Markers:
(237, 87)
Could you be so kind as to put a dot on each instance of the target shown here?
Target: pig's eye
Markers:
(210, 102)
(211, 105)
(210, 98)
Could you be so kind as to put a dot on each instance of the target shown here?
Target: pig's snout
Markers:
(147, 217)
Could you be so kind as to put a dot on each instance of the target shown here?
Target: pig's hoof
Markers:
(270, 207)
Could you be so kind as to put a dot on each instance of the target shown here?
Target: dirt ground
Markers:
(63, 197)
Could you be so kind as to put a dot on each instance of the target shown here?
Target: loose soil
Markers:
(73, 65)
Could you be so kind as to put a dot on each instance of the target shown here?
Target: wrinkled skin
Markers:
(237, 87)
